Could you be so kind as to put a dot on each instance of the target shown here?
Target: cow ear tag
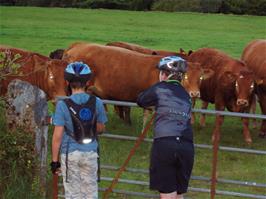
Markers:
(259, 81)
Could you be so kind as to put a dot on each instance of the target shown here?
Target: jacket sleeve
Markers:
(147, 98)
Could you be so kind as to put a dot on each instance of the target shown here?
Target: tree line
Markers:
(250, 7)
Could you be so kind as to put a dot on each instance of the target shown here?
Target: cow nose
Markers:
(194, 94)
(242, 102)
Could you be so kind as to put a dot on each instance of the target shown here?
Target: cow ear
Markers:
(207, 73)
(259, 81)
(190, 52)
(39, 61)
(181, 51)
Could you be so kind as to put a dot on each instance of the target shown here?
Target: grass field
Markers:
(43, 30)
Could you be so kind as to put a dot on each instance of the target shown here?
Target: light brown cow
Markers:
(121, 74)
(230, 87)
(41, 71)
(254, 55)
(191, 81)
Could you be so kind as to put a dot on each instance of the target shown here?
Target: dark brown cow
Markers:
(230, 87)
(121, 74)
(144, 50)
(254, 55)
(36, 69)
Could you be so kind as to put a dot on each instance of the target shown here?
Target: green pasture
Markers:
(43, 30)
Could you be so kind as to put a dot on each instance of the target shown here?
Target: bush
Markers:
(17, 156)
(210, 6)
(252, 7)
(177, 5)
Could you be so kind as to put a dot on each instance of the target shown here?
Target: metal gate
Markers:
(215, 147)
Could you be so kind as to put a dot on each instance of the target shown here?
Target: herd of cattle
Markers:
(122, 70)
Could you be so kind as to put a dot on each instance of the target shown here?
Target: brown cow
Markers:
(254, 55)
(47, 74)
(230, 87)
(144, 50)
(121, 74)
(191, 81)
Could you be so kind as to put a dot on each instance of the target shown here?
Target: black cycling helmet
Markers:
(173, 64)
(77, 72)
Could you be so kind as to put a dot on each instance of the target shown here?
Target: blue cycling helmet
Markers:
(77, 72)
(173, 64)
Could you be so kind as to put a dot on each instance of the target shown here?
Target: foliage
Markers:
(8, 63)
(252, 7)
(18, 161)
(177, 5)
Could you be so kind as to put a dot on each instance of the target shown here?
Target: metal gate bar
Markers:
(205, 111)
(200, 178)
(219, 192)
(204, 146)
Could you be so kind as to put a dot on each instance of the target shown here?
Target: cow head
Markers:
(244, 85)
(194, 77)
(55, 77)
(52, 82)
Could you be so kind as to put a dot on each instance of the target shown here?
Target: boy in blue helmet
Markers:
(172, 153)
(77, 121)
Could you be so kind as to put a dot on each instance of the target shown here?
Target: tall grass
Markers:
(43, 30)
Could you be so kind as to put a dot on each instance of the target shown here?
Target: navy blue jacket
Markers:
(173, 109)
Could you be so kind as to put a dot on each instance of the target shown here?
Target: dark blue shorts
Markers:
(171, 164)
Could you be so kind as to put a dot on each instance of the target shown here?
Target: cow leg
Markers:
(219, 118)
(246, 132)
(127, 114)
(204, 105)
(105, 108)
(192, 121)
(118, 111)
(124, 113)
(262, 100)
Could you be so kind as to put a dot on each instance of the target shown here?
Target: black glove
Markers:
(55, 166)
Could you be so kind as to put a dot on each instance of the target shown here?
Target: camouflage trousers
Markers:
(81, 175)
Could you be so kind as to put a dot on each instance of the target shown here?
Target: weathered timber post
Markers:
(27, 107)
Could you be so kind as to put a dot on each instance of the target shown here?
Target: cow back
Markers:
(133, 47)
(254, 55)
(118, 73)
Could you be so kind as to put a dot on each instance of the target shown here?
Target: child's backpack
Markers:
(84, 120)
